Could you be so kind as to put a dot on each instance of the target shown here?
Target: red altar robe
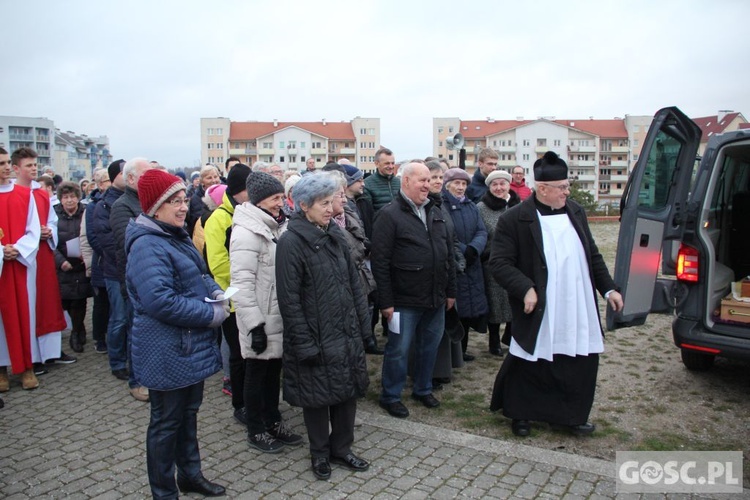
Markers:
(14, 305)
(49, 312)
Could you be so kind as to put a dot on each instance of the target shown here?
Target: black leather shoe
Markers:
(520, 428)
(576, 430)
(395, 409)
(200, 485)
(321, 467)
(75, 342)
(441, 380)
(352, 461)
(468, 357)
(436, 386)
(121, 374)
(496, 351)
(428, 400)
(372, 348)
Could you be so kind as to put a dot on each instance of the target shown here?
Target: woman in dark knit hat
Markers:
(174, 347)
(256, 227)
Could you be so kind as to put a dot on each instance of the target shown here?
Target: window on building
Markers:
(440, 144)
(526, 142)
(525, 157)
(450, 156)
(210, 145)
(450, 131)
(440, 130)
(210, 131)
(363, 131)
(347, 145)
(281, 159)
(282, 144)
(541, 142)
(219, 131)
(372, 131)
(267, 145)
(302, 144)
(636, 128)
(635, 143)
(557, 142)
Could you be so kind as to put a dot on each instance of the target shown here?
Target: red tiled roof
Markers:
(602, 128)
(710, 125)
(744, 125)
(242, 131)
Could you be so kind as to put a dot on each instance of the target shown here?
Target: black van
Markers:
(685, 237)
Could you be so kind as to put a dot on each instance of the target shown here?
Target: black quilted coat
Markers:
(325, 316)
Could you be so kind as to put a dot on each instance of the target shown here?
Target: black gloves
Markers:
(471, 255)
(259, 339)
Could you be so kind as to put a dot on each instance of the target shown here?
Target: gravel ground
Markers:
(645, 400)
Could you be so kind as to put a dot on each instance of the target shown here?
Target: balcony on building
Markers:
(582, 163)
(582, 149)
(17, 136)
(505, 149)
(506, 163)
(266, 151)
(348, 151)
(318, 151)
(619, 149)
(237, 151)
(292, 151)
(619, 178)
(586, 177)
(42, 138)
(541, 149)
(620, 163)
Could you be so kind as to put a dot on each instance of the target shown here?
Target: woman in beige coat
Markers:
(256, 226)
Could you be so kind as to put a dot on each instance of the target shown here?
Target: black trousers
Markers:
(77, 310)
(236, 362)
(339, 442)
(262, 381)
(100, 314)
(172, 438)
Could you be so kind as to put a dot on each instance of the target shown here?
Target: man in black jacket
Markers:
(542, 253)
(413, 265)
(128, 207)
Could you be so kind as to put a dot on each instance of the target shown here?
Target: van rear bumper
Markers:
(688, 331)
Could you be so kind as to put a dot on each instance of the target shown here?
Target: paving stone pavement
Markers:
(81, 435)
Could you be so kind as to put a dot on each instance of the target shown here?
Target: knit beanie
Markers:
(114, 169)
(155, 187)
(261, 185)
(236, 178)
(216, 192)
(456, 173)
(289, 184)
(353, 174)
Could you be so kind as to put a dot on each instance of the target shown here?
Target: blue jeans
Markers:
(117, 329)
(172, 438)
(425, 328)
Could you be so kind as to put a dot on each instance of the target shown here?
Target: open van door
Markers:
(652, 211)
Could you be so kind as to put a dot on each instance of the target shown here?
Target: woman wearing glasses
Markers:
(174, 346)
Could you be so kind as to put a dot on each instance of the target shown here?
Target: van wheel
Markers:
(697, 361)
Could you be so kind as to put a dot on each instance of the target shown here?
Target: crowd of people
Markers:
(258, 272)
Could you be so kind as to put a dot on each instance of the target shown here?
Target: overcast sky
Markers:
(145, 72)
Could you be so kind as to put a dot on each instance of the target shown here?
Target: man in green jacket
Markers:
(383, 186)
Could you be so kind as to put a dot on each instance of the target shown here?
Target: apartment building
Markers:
(36, 133)
(77, 155)
(290, 144)
(599, 153)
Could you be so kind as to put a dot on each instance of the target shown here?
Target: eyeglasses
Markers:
(176, 202)
(561, 187)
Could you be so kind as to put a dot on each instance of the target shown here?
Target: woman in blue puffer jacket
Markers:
(174, 346)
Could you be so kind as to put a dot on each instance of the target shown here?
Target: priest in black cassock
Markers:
(543, 254)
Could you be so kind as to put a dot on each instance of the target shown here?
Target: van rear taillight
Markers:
(687, 264)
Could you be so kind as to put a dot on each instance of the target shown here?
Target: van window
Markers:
(660, 167)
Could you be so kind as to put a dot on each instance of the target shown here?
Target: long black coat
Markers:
(73, 284)
(517, 262)
(325, 316)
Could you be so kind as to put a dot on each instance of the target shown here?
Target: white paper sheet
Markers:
(227, 295)
(394, 325)
(73, 248)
